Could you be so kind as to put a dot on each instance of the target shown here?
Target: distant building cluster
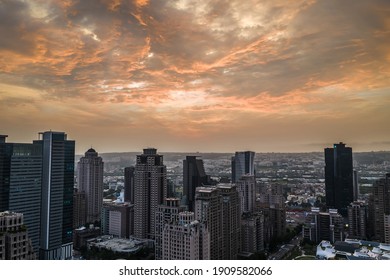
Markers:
(46, 212)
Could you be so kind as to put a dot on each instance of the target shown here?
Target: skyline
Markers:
(187, 76)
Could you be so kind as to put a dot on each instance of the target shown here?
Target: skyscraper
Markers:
(231, 221)
(208, 210)
(247, 189)
(193, 176)
(90, 181)
(339, 187)
(129, 184)
(20, 183)
(379, 207)
(242, 164)
(57, 195)
(357, 220)
(150, 190)
(167, 213)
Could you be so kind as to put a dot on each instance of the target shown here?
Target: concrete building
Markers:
(208, 210)
(272, 205)
(357, 220)
(79, 208)
(323, 226)
(252, 233)
(14, 241)
(167, 213)
(231, 221)
(150, 190)
(116, 219)
(129, 184)
(246, 186)
(379, 204)
(339, 186)
(184, 239)
(242, 164)
(90, 181)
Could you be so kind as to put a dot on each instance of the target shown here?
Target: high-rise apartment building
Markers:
(150, 190)
(357, 220)
(129, 184)
(339, 186)
(246, 186)
(117, 219)
(167, 213)
(252, 233)
(90, 181)
(57, 195)
(379, 205)
(231, 221)
(208, 210)
(323, 226)
(182, 239)
(79, 208)
(14, 241)
(243, 164)
(194, 176)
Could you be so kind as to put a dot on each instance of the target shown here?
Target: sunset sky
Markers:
(204, 75)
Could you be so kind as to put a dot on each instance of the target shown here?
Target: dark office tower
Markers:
(150, 190)
(193, 176)
(379, 207)
(129, 184)
(57, 195)
(339, 188)
(243, 164)
(231, 221)
(20, 183)
(90, 181)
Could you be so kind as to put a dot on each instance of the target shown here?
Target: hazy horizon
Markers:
(267, 76)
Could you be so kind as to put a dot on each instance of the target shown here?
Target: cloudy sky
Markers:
(197, 75)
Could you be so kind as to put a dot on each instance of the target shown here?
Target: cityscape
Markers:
(217, 206)
(194, 130)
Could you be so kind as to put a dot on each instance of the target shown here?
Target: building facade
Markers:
(57, 195)
(379, 204)
(243, 164)
(339, 186)
(14, 241)
(90, 181)
(247, 189)
(167, 213)
(357, 220)
(194, 176)
(320, 226)
(150, 190)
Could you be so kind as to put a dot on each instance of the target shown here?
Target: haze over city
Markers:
(201, 75)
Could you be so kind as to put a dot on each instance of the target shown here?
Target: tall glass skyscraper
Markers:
(57, 195)
(194, 176)
(339, 188)
(242, 164)
(20, 184)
